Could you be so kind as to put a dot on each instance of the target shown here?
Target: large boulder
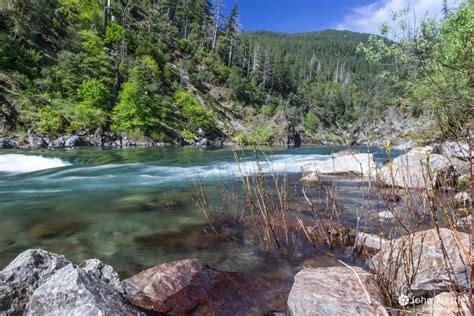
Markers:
(39, 282)
(188, 285)
(350, 164)
(335, 291)
(74, 291)
(7, 143)
(24, 275)
(411, 170)
(415, 265)
(458, 150)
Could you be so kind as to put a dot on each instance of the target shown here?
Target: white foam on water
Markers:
(16, 163)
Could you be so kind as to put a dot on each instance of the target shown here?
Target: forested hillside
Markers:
(172, 70)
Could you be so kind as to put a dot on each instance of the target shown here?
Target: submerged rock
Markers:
(335, 291)
(428, 271)
(188, 285)
(351, 165)
(64, 227)
(24, 275)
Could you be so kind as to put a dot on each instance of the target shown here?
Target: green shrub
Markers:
(195, 115)
(94, 93)
(113, 35)
(50, 120)
(188, 134)
(257, 135)
(87, 117)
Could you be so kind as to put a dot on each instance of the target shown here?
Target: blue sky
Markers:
(307, 15)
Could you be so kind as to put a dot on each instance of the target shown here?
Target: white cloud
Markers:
(366, 19)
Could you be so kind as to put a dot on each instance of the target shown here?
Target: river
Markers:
(132, 208)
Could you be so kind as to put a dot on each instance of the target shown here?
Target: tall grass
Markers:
(258, 203)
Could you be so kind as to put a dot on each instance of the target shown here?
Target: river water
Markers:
(132, 208)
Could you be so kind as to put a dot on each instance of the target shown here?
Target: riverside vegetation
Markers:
(168, 71)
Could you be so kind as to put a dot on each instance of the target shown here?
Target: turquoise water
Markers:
(132, 208)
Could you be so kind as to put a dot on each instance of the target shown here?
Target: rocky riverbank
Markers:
(38, 282)
(100, 138)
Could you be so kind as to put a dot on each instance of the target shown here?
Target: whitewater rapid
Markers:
(17, 163)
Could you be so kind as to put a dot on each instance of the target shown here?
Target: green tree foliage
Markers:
(134, 75)
(432, 63)
(194, 114)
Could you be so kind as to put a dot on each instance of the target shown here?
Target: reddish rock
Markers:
(189, 287)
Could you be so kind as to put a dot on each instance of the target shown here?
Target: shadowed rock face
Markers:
(189, 287)
(334, 291)
(430, 273)
(38, 282)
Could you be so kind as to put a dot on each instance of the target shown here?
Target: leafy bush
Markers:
(196, 116)
(113, 35)
(94, 93)
(87, 117)
(188, 134)
(257, 135)
(50, 120)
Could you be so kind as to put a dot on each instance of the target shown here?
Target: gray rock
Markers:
(37, 142)
(458, 150)
(386, 215)
(72, 141)
(351, 164)
(103, 272)
(312, 178)
(411, 170)
(462, 167)
(428, 271)
(7, 143)
(59, 142)
(404, 145)
(73, 291)
(24, 275)
(464, 222)
(334, 291)
(462, 198)
(369, 241)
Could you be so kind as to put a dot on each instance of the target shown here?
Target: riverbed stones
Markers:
(58, 228)
(346, 165)
(189, 285)
(416, 266)
(335, 291)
